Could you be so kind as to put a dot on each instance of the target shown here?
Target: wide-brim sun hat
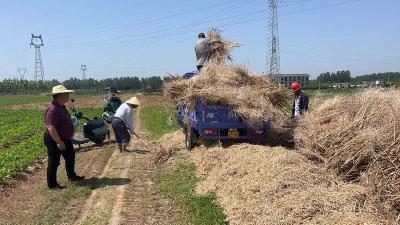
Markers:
(60, 89)
(133, 101)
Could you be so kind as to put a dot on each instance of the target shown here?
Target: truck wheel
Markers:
(189, 138)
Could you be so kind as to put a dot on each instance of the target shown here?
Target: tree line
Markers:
(338, 77)
(392, 77)
(15, 86)
(344, 76)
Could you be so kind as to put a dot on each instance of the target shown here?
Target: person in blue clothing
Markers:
(300, 104)
(111, 100)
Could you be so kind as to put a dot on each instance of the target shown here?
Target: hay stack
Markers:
(167, 146)
(220, 48)
(262, 185)
(359, 138)
(255, 98)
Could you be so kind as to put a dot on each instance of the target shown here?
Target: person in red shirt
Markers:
(57, 137)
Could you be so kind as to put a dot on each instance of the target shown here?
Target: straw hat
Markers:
(59, 89)
(133, 101)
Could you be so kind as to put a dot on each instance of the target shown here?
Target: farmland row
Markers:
(21, 143)
(29, 99)
(20, 156)
(17, 125)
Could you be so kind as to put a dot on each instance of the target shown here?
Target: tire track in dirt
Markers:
(142, 202)
(100, 205)
(134, 201)
(30, 202)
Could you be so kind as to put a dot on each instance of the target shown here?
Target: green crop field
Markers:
(8, 100)
(329, 93)
(17, 100)
(21, 140)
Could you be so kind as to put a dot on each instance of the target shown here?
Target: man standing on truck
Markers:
(57, 137)
(202, 50)
(300, 104)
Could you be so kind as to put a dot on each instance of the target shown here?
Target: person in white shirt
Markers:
(123, 123)
(202, 50)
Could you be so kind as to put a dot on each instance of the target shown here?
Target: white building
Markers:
(288, 79)
(342, 85)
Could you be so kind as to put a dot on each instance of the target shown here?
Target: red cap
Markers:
(295, 86)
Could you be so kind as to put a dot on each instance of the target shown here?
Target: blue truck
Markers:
(216, 122)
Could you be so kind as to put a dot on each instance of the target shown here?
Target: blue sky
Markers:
(145, 38)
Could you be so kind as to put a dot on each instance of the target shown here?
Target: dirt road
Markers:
(119, 189)
(135, 199)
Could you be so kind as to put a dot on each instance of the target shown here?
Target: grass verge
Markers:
(179, 182)
(158, 120)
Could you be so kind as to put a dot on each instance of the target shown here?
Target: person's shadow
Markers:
(95, 183)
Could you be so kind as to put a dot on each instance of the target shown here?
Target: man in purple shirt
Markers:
(57, 137)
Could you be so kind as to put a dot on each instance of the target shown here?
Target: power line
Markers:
(220, 26)
(162, 36)
(324, 56)
(341, 51)
(320, 7)
(294, 3)
(174, 15)
(115, 39)
(155, 19)
(178, 27)
(175, 28)
(238, 5)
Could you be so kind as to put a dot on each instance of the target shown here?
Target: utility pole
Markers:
(21, 72)
(83, 68)
(273, 57)
(37, 42)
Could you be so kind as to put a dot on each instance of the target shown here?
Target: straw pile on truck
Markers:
(254, 98)
(358, 137)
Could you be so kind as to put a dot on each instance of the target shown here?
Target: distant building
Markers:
(342, 85)
(148, 88)
(288, 79)
(376, 84)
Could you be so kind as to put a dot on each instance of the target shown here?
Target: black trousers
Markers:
(54, 155)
